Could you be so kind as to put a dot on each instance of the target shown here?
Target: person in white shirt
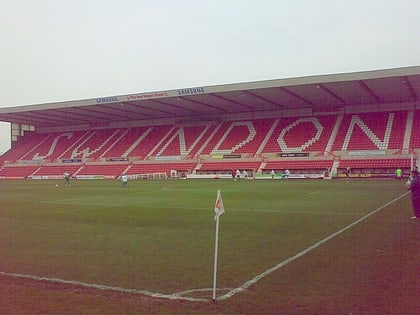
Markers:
(124, 180)
(245, 174)
(66, 177)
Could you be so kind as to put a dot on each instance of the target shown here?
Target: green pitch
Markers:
(159, 235)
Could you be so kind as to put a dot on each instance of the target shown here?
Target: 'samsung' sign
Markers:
(110, 99)
(191, 91)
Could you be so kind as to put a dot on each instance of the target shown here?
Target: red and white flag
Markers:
(218, 207)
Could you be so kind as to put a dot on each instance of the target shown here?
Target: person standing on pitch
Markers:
(398, 173)
(124, 180)
(414, 186)
(238, 174)
(245, 174)
(348, 172)
(66, 177)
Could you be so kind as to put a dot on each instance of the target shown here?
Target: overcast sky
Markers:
(57, 50)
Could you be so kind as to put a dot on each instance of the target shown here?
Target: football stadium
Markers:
(316, 217)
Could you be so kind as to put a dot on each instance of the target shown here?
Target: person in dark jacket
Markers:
(415, 193)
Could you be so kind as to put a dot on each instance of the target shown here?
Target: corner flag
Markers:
(218, 207)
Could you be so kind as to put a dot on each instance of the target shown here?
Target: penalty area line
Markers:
(254, 280)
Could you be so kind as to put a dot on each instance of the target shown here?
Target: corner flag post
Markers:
(219, 210)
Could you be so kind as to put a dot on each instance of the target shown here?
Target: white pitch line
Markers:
(247, 284)
(322, 191)
(178, 295)
(175, 296)
(182, 293)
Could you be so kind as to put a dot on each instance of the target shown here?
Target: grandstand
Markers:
(369, 121)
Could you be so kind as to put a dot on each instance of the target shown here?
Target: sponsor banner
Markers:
(142, 96)
(209, 176)
(92, 177)
(373, 152)
(110, 99)
(291, 176)
(117, 159)
(71, 161)
(191, 91)
(313, 176)
(168, 158)
(46, 177)
(293, 154)
(232, 156)
(367, 175)
(226, 156)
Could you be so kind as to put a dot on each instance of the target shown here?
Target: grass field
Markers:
(285, 247)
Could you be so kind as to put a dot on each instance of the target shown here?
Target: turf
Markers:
(159, 236)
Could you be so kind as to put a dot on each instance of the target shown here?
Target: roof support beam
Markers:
(231, 101)
(280, 106)
(297, 96)
(328, 91)
(135, 107)
(369, 90)
(201, 103)
(173, 106)
(410, 88)
(71, 115)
